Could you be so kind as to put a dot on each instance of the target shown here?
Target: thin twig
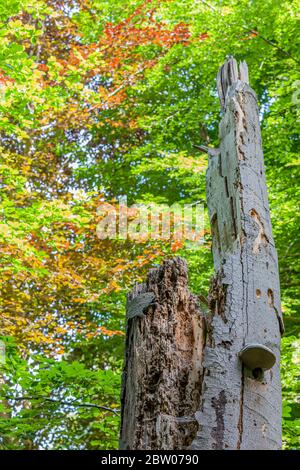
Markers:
(119, 88)
(52, 400)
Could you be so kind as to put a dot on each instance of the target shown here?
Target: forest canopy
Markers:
(100, 100)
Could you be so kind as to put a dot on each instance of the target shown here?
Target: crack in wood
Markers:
(241, 415)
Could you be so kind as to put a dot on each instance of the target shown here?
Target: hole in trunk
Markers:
(258, 374)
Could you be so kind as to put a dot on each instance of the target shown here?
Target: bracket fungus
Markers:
(257, 356)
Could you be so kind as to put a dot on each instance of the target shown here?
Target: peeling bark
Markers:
(163, 364)
(240, 408)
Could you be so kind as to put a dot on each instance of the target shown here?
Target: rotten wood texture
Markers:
(162, 375)
(240, 408)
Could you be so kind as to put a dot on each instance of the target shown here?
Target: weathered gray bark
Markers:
(163, 373)
(179, 392)
(240, 408)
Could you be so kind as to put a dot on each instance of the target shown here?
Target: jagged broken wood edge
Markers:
(161, 383)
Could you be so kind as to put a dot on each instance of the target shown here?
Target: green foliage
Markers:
(291, 389)
(52, 404)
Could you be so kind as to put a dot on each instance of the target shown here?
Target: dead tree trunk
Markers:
(163, 373)
(179, 392)
(241, 393)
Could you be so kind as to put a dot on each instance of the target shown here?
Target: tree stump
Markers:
(163, 365)
(241, 400)
(213, 383)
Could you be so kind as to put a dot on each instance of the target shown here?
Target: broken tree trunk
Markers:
(181, 390)
(241, 392)
(163, 373)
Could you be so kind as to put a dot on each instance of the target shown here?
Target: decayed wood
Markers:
(240, 408)
(183, 390)
(162, 374)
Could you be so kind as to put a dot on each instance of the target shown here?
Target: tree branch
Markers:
(119, 88)
(68, 403)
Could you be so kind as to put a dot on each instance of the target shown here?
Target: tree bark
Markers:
(240, 406)
(162, 373)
